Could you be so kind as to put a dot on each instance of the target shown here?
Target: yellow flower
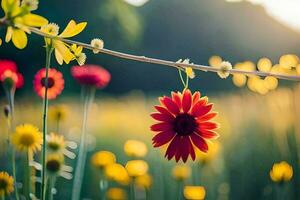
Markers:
(118, 173)
(281, 172)
(264, 64)
(135, 148)
(97, 44)
(144, 181)
(194, 192)
(289, 61)
(181, 172)
(27, 138)
(214, 150)
(19, 18)
(54, 163)
(239, 80)
(58, 112)
(115, 193)
(271, 82)
(224, 66)
(188, 70)
(136, 168)
(63, 51)
(101, 159)
(6, 184)
(215, 61)
(79, 56)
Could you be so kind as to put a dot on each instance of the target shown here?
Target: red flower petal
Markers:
(199, 142)
(177, 98)
(183, 151)
(186, 101)
(208, 125)
(162, 110)
(164, 126)
(162, 138)
(207, 117)
(170, 105)
(196, 97)
(162, 117)
(199, 110)
(173, 147)
(207, 134)
(192, 151)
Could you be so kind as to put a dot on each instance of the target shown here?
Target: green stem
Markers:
(52, 185)
(79, 172)
(27, 177)
(2, 197)
(49, 51)
(57, 125)
(132, 192)
(10, 124)
(181, 78)
(180, 188)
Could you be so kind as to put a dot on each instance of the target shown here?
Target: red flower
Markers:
(184, 123)
(55, 83)
(8, 70)
(91, 75)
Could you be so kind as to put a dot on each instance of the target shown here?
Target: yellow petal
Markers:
(34, 20)
(8, 34)
(73, 29)
(58, 57)
(19, 38)
(0, 41)
(11, 6)
(4, 5)
(63, 50)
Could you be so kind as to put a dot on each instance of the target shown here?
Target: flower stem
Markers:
(180, 188)
(27, 177)
(51, 186)
(79, 172)
(49, 51)
(10, 124)
(2, 197)
(132, 191)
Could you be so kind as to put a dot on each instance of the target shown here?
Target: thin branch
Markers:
(180, 66)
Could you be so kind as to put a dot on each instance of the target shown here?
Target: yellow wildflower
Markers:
(190, 72)
(281, 172)
(264, 64)
(6, 184)
(194, 192)
(144, 181)
(136, 168)
(181, 172)
(289, 61)
(19, 19)
(58, 112)
(215, 61)
(97, 44)
(115, 193)
(135, 148)
(102, 159)
(118, 173)
(30, 4)
(214, 150)
(63, 51)
(239, 80)
(27, 138)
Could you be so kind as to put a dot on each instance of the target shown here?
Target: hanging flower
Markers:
(27, 138)
(64, 52)
(184, 123)
(19, 19)
(194, 192)
(281, 172)
(6, 184)
(136, 168)
(91, 75)
(116, 172)
(55, 83)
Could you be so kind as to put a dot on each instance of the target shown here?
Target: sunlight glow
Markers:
(136, 3)
(284, 11)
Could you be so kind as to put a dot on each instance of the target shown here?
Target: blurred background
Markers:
(256, 130)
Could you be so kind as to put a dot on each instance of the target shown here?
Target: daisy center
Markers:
(53, 165)
(27, 139)
(50, 82)
(3, 184)
(184, 124)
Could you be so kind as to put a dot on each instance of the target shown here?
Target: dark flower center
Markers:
(50, 82)
(3, 184)
(185, 124)
(53, 166)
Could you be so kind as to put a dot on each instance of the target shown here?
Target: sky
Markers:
(284, 11)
